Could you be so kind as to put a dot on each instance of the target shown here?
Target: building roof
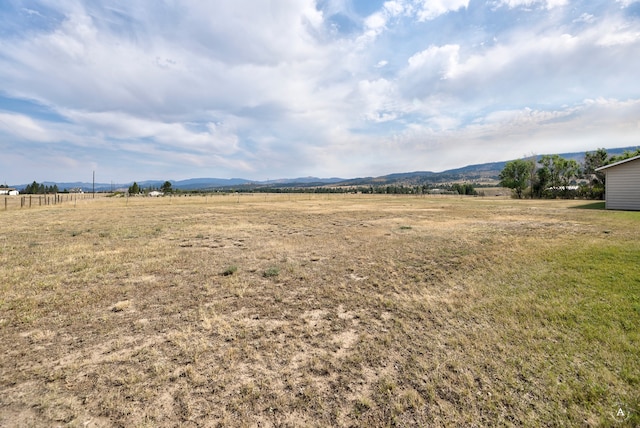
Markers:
(618, 163)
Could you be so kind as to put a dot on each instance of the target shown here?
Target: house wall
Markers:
(623, 186)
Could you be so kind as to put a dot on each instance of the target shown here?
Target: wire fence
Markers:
(32, 201)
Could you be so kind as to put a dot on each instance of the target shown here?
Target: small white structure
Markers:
(8, 191)
(622, 184)
(156, 194)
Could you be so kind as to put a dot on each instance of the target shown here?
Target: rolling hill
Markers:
(486, 173)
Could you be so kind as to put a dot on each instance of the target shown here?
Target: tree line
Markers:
(552, 176)
(36, 188)
(135, 188)
(383, 189)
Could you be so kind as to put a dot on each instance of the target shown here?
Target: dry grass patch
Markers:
(304, 310)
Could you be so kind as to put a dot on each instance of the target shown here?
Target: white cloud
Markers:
(623, 37)
(394, 7)
(215, 138)
(431, 9)
(212, 57)
(378, 100)
(626, 3)
(549, 4)
(24, 128)
(587, 18)
(427, 69)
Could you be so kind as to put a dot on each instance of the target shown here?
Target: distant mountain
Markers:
(487, 172)
(480, 173)
(304, 180)
(207, 183)
(192, 184)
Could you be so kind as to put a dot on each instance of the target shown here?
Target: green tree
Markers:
(463, 189)
(626, 155)
(134, 189)
(31, 188)
(166, 187)
(560, 172)
(533, 167)
(593, 161)
(541, 183)
(515, 176)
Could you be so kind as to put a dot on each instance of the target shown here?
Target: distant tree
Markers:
(560, 172)
(31, 188)
(533, 167)
(515, 176)
(166, 187)
(134, 189)
(40, 188)
(626, 155)
(541, 182)
(593, 161)
(463, 189)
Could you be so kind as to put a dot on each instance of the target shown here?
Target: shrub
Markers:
(271, 272)
(230, 270)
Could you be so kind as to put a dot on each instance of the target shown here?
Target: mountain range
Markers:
(486, 173)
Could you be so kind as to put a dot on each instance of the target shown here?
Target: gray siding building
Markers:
(622, 185)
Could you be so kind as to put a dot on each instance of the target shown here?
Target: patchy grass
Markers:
(271, 272)
(483, 312)
(230, 270)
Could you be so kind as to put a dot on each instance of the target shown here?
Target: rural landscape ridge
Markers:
(487, 173)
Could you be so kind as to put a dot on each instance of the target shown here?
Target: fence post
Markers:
(29, 201)
(5, 203)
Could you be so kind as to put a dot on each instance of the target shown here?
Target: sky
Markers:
(267, 89)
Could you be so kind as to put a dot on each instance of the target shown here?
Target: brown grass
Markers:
(303, 310)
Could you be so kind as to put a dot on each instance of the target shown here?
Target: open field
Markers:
(307, 310)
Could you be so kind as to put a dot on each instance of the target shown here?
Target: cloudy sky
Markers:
(259, 89)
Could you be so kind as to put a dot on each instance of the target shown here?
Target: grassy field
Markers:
(332, 310)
